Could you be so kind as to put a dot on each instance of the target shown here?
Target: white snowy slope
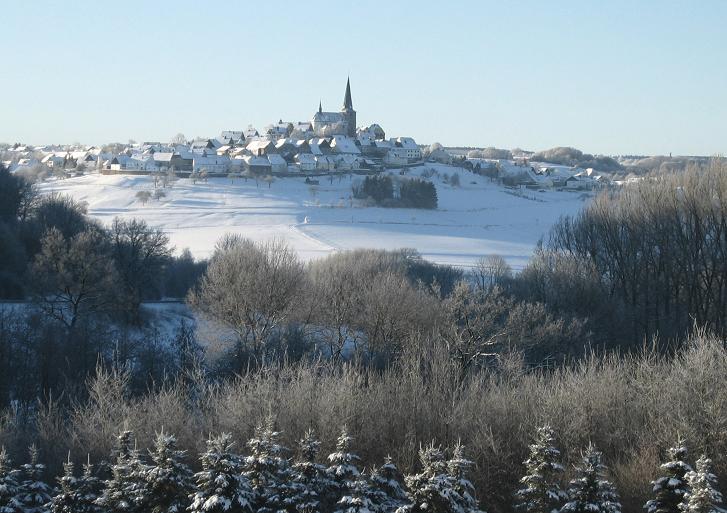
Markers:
(475, 219)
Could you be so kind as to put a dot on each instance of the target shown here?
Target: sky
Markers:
(617, 77)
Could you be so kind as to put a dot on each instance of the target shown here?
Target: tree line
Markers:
(268, 479)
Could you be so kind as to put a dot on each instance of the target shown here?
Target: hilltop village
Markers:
(330, 142)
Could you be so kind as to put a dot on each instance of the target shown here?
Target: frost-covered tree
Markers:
(9, 485)
(388, 493)
(702, 496)
(590, 491)
(310, 484)
(168, 481)
(267, 470)
(221, 487)
(432, 490)
(342, 468)
(351, 490)
(72, 497)
(34, 494)
(357, 497)
(65, 500)
(123, 492)
(458, 467)
(669, 489)
(541, 492)
(89, 488)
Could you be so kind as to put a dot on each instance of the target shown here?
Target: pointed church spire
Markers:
(347, 102)
(320, 105)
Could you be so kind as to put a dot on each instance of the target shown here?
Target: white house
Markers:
(306, 161)
(212, 164)
(347, 162)
(412, 151)
(277, 163)
(324, 163)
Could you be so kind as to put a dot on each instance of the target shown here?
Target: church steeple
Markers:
(347, 102)
(320, 106)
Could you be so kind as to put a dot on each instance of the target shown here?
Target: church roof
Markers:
(328, 117)
(347, 102)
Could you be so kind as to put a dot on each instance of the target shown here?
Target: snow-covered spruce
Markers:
(34, 494)
(311, 487)
(590, 491)
(9, 485)
(267, 470)
(123, 491)
(433, 490)
(541, 492)
(76, 494)
(702, 496)
(388, 492)
(168, 481)
(458, 467)
(669, 489)
(221, 487)
(352, 491)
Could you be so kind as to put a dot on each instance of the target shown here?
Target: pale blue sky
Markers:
(614, 77)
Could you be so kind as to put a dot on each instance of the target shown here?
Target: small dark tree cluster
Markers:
(418, 193)
(379, 188)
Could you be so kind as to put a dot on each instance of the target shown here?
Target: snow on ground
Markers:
(475, 219)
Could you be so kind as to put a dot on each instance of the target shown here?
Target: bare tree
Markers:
(139, 252)
(143, 196)
(179, 139)
(250, 287)
(73, 277)
(491, 270)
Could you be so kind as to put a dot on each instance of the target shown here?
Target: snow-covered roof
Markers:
(276, 159)
(305, 158)
(253, 160)
(405, 142)
(343, 144)
(328, 118)
(163, 156)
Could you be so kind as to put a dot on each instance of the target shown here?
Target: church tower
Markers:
(348, 113)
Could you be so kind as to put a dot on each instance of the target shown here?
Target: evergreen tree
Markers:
(267, 470)
(9, 485)
(77, 494)
(702, 496)
(34, 494)
(168, 481)
(590, 492)
(541, 492)
(89, 488)
(350, 490)
(221, 487)
(388, 492)
(123, 492)
(311, 485)
(342, 468)
(357, 498)
(433, 489)
(458, 467)
(669, 489)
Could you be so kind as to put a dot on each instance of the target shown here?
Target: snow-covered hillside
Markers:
(475, 219)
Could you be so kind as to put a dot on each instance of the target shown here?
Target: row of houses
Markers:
(541, 175)
(237, 151)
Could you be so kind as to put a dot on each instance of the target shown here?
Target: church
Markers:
(336, 123)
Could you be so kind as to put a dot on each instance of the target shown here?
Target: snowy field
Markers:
(475, 219)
